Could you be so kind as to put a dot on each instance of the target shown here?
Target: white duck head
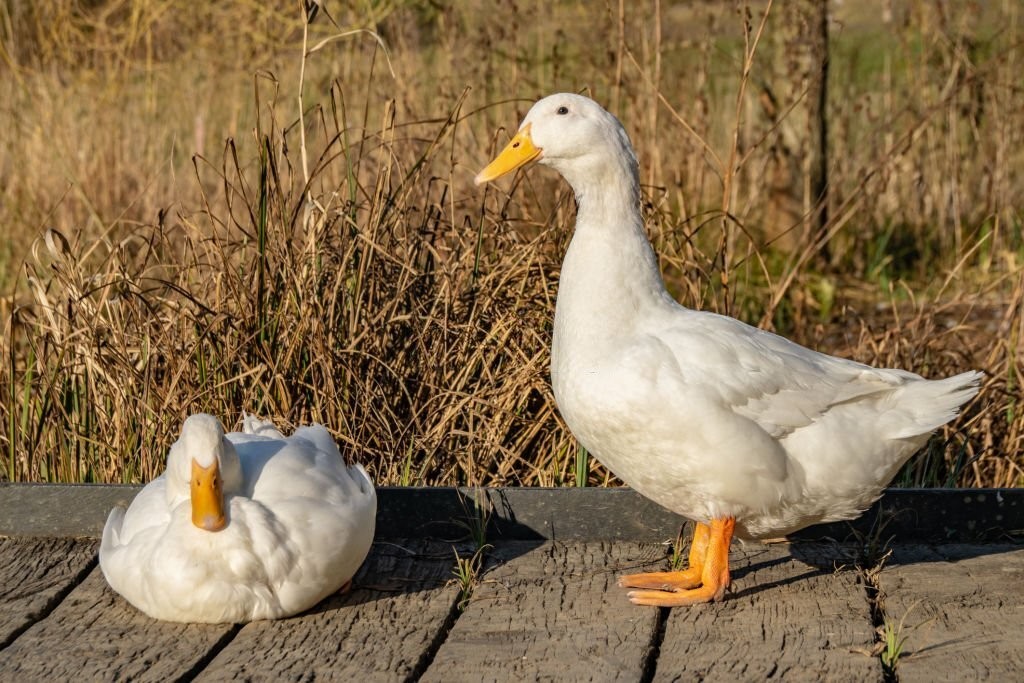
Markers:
(204, 466)
(575, 136)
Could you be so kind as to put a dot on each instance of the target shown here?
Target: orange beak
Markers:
(207, 497)
(518, 152)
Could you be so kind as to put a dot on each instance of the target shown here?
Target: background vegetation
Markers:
(181, 235)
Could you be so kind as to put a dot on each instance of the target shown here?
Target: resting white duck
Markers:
(241, 526)
(733, 427)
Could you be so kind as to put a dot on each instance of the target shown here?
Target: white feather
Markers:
(301, 523)
(699, 412)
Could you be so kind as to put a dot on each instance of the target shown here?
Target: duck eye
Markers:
(562, 111)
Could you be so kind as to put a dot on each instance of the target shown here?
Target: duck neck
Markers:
(610, 275)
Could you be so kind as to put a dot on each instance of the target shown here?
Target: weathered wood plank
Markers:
(71, 510)
(961, 610)
(34, 575)
(94, 634)
(565, 514)
(380, 631)
(552, 612)
(785, 619)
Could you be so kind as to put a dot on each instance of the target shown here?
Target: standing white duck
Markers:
(241, 526)
(728, 425)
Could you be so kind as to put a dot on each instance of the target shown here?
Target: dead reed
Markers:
(334, 263)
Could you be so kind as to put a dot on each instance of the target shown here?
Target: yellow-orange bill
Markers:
(207, 497)
(519, 151)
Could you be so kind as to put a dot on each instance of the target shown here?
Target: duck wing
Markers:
(323, 511)
(784, 387)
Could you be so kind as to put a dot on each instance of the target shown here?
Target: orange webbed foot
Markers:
(704, 581)
(663, 581)
(706, 593)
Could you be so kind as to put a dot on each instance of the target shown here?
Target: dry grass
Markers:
(336, 263)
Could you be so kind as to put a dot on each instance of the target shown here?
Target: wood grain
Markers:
(379, 631)
(962, 611)
(542, 610)
(784, 619)
(552, 612)
(94, 634)
(35, 573)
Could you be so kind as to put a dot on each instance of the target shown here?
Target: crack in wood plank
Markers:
(961, 609)
(381, 630)
(547, 610)
(552, 611)
(791, 615)
(35, 576)
(95, 634)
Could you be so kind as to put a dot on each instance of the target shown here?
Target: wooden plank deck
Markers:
(800, 614)
(961, 607)
(545, 605)
(545, 610)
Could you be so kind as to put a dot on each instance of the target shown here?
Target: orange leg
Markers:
(678, 580)
(714, 572)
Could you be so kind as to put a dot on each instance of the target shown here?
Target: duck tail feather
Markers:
(318, 435)
(254, 425)
(933, 403)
